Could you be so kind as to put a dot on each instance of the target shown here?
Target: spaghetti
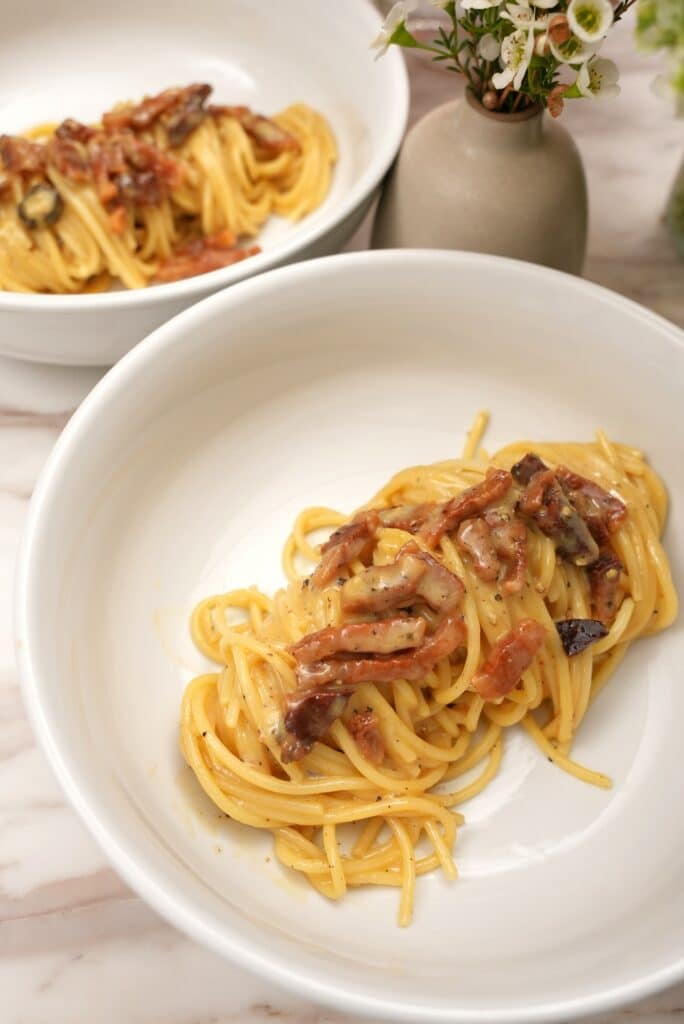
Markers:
(165, 189)
(468, 597)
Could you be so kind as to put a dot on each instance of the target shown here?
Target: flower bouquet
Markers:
(519, 54)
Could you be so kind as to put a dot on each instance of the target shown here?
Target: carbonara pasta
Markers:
(165, 189)
(468, 597)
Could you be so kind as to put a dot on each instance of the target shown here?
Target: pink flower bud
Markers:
(554, 101)
(558, 29)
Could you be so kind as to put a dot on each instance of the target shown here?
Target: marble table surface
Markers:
(76, 945)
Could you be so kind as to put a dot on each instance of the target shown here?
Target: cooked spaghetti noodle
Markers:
(158, 191)
(542, 627)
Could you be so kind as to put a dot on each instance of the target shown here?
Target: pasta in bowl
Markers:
(442, 614)
(174, 488)
(157, 191)
(108, 227)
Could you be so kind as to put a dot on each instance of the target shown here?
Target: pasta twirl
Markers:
(165, 189)
(539, 612)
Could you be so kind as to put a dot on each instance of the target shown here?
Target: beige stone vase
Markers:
(509, 184)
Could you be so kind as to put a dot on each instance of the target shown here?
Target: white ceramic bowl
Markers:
(76, 59)
(181, 474)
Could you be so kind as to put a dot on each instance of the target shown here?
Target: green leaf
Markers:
(402, 37)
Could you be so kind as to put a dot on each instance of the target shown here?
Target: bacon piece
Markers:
(354, 540)
(413, 574)
(308, 716)
(406, 517)
(450, 634)
(604, 580)
(577, 634)
(70, 158)
(270, 138)
(364, 727)
(472, 502)
(180, 110)
(474, 537)
(145, 113)
(438, 586)
(545, 502)
(200, 257)
(509, 536)
(21, 156)
(510, 656)
(181, 121)
(602, 512)
(383, 586)
(523, 471)
(382, 637)
(75, 131)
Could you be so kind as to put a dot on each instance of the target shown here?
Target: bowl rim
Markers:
(191, 288)
(139, 872)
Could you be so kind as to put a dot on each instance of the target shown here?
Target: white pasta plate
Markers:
(181, 474)
(265, 55)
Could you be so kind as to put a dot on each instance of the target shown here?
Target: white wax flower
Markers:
(573, 51)
(516, 52)
(478, 5)
(598, 77)
(394, 20)
(488, 47)
(590, 19)
(522, 15)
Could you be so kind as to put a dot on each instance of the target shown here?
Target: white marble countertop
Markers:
(75, 944)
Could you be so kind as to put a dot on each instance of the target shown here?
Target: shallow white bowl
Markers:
(74, 59)
(181, 474)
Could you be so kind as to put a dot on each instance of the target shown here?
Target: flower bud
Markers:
(558, 29)
(541, 45)
(554, 101)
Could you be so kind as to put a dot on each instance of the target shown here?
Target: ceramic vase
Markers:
(508, 184)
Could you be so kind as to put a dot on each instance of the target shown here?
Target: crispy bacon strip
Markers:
(271, 139)
(406, 517)
(202, 256)
(354, 540)
(21, 156)
(509, 536)
(494, 538)
(510, 656)
(414, 574)
(364, 727)
(449, 635)
(545, 502)
(382, 637)
(180, 110)
(383, 586)
(472, 502)
(604, 580)
(308, 716)
(474, 538)
(602, 512)
(75, 131)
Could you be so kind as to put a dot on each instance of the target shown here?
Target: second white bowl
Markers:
(263, 53)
